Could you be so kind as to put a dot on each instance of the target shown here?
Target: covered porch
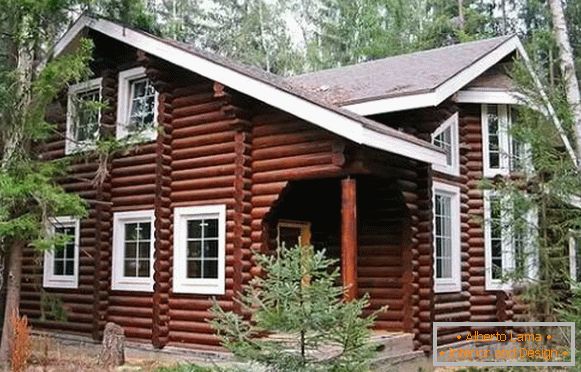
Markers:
(379, 230)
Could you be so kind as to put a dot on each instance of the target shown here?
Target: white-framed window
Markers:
(137, 105)
(83, 115)
(446, 137)
(575, 256)
(502, 153)
(508, 241)
(447, 277)
(199, 249)
(133, 250)
(61, 263)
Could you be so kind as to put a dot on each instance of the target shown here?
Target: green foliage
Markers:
(51, 307)
(299, 321)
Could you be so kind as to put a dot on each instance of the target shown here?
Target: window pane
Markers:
(195, 229)
(142, 109)
(443, 236)
(130, 250)
(211, 228)
(211, 249)
(143, 271)
(194, 249)
(144, 249)
(493, 137)
(444, 141)
(211, 269)
(194, 269)
(131, 231)
(86, 119)
(58, 267)
(130, 268)
(578, 258)
(70, 267)
(496, 237)
(137, 249)
(144, 230)
(64, 255)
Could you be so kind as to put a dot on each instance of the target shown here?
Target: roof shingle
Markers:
(401, 75)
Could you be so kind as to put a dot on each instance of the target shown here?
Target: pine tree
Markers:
(28, 84)
(299, 321)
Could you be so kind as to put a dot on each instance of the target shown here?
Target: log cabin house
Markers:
(378, 162)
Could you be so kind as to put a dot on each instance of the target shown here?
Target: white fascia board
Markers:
(386, 105)
(71, 35)
(489, 97)
(442, 92)
(262, 91)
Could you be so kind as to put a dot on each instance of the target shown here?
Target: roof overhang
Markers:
(438, 95)
(347, 125)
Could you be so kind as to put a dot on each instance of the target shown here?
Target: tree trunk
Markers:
(113, 348)
(12, 298)
(567, 64)
(461, 15)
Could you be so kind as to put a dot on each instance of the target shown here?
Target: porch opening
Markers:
(310, 212)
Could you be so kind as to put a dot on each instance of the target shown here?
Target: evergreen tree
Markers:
(28, 84)
(299, 321)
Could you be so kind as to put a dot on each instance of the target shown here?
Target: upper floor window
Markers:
(133, 248)
(83, 115)
(502, 152)
(137, 106)
(62, 261)
(446, 137)
(446, 237)
(509, 248)
(199, 249)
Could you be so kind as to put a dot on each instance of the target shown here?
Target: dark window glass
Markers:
(202, 246)
(64, 254)
(137, 250)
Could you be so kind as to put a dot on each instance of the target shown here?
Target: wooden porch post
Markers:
(349, 237)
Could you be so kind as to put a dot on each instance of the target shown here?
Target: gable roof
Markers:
(408, 81)
(262, 86)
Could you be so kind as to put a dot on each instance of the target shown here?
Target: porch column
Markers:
(349, 237)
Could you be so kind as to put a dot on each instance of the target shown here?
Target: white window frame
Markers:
(452, 123)
(504, 142)
(119, 281)
(508, 254)
(124, 100)
(50, 280)
(454, 283)
(71, 145)
(573, 235)
(182, 284)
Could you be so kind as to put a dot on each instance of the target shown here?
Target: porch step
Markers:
(392, 343)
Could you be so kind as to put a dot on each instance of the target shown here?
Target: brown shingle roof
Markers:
(401, 75)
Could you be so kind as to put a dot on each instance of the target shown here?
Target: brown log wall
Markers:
(212, 151)
(380, 256)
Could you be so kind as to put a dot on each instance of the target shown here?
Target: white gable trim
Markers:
(434, 98)
(489, 96)
(303, 108)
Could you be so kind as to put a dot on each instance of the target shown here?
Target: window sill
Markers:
(447, 287)
(64, 282)
(133, 286)
(203, 289)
